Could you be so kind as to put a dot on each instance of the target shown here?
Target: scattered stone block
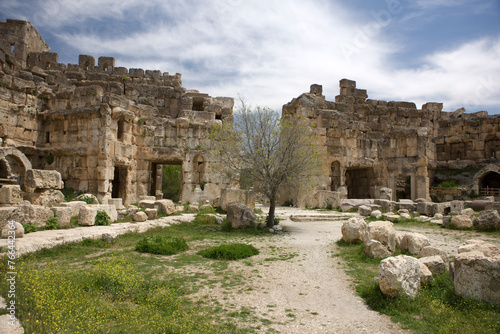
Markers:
(74, 205)
(14, 229)
(376, 250)
(477, 276)
(365, 210)
(110, 237)
(86, 216)
(63, 215)
(151, 213)
(435, 264)
(392, 217)
(467, 212)
(400, 274)
(433, 251)
(456, 207)
(43, 179)
(376, 214)
(147, 204)
(10, 194)
(140, 217)
(382, 231)
(354, 204)
(489, 250)
(353, 230)
(166, 206)
(414, 242)
(87, 199)
(461, 222)
(488, 220)
(240, 216)
(425, 275)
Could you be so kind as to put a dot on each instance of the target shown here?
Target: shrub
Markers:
(69, 194)
(162, 245)
(207, 209)
(226, 226)
(52, 223)
(449, 184)
(102, 218)
(28, 228)
(204, 219)
(229, 252)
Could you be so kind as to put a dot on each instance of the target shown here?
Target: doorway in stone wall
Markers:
(489, 184)
(403, 187)
(166, 178)
(172, 182)
(358, 182)
(119, 189)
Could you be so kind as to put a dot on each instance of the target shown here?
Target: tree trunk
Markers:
(270, 216)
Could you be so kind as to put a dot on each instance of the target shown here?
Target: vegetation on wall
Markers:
(172, 177)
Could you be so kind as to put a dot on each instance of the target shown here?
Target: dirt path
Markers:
(309, 293)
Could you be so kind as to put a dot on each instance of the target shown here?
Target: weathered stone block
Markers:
(63, 215)
(435, 264)
(382, 231)
(461, 222)
(86, 216)
(13, 230)
(10, 194)
(477, 276)
(151, 213)
(487, 221)
(353, 231)
(400, 274)
(165, 206)
(414, 242)
(140, 217)
(43, 179)
(239, 215)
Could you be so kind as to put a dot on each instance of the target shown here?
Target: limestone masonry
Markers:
(377, 147)
(108, 130)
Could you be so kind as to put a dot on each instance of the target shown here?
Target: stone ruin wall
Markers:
(100, 122)
(370, 144)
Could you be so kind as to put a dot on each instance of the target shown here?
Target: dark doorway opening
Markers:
(119, 183)
(403, 187)
(490, 180)
(358, 182)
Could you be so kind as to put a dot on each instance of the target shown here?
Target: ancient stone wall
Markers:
(371, 144)
(106, 129)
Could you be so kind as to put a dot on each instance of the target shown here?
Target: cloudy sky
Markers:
(271, 51)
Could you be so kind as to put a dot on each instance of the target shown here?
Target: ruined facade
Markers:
(108, 130)
(369, 145)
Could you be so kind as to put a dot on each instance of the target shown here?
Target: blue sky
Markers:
(271, 51)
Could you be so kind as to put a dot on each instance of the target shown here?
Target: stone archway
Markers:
(487, 178)
(14, 164)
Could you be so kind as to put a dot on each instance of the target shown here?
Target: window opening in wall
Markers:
(198, 104)
(12, 48)
(119, 134)
(47, 137)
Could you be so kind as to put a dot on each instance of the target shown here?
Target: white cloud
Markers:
(271, 51)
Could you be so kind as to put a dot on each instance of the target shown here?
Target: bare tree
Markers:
(275, 152)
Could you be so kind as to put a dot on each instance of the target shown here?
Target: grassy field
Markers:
(435, 310)
(94, 287)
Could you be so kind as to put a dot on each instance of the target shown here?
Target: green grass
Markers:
(95, 287)
(162, 245)
(435, 310)
(229, 252)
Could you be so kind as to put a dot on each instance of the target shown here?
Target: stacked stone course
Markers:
(106, 129)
